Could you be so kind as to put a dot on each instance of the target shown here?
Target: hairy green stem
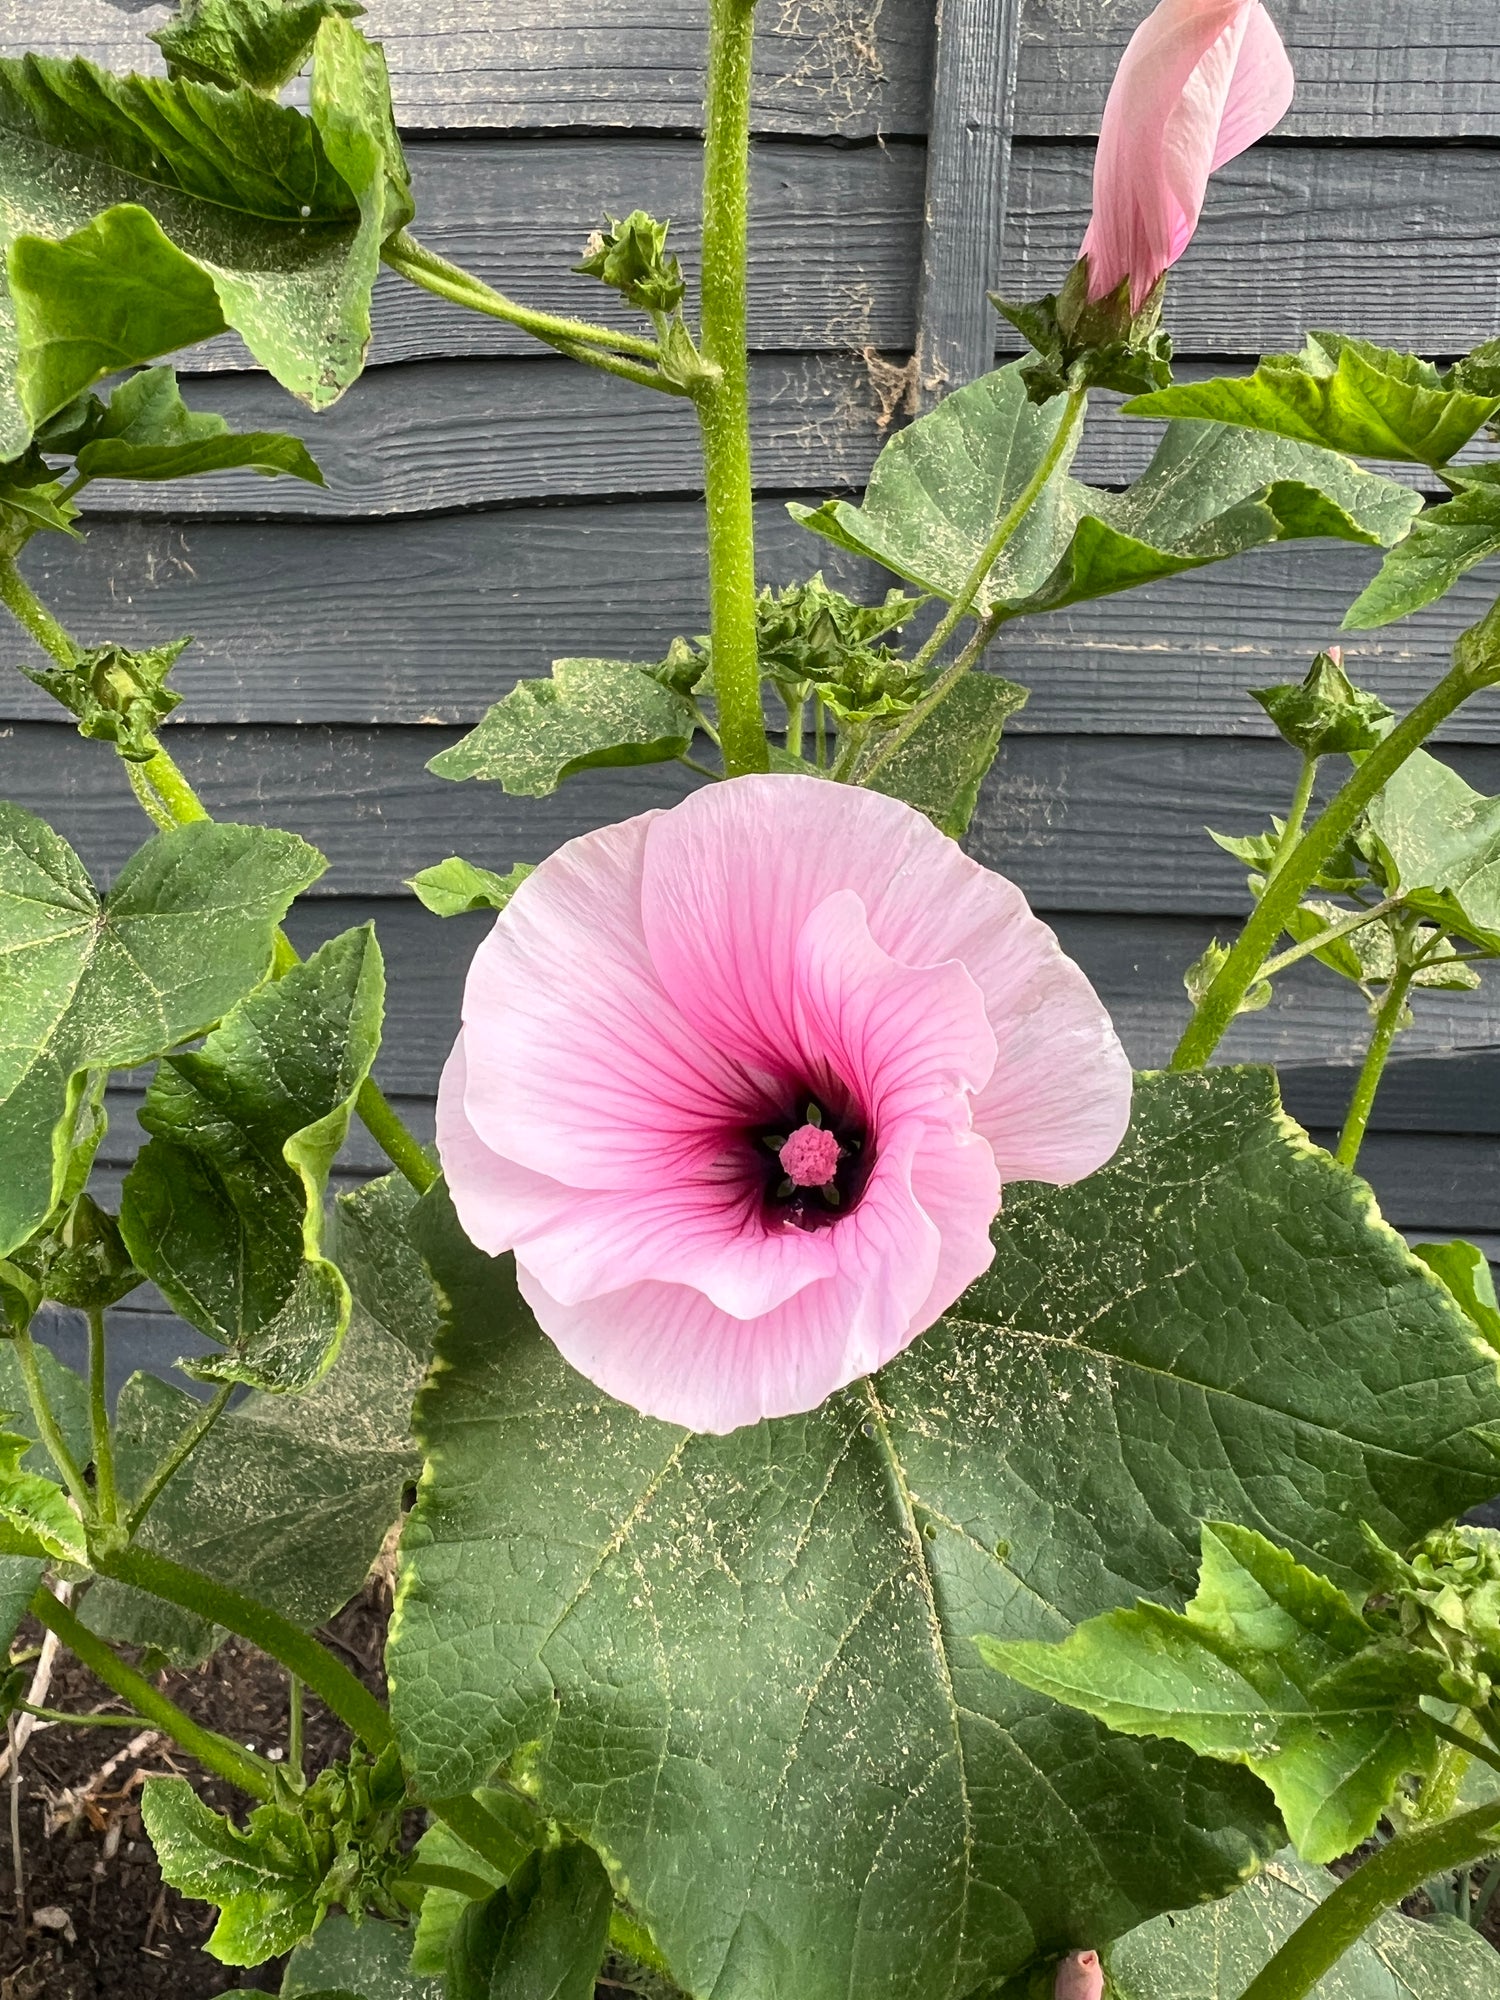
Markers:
(1474, 667)
(177, 796)
(179, 1455)
(1387, 1026)
(435, 274)
(106, 1491)
(47, 1426)
(1379, 1884)
(723, 399)
(147, 797)
(330, 1680)
(1355, 921)
(404, 1151)
(28, 609)
(216, 1753)
(1291, 833)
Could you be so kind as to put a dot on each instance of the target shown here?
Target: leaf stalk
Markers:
(1387, 1026)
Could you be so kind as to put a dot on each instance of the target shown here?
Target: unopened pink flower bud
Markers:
(1200, 81)
(1080, 1977)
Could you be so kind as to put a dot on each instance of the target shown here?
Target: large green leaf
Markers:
(1210, 491)
(941, 766)
(1442, 843)
(1212, 1953)
(1343, 393)
(744, 1667)
(589, 713)
(223, 1208)
(260, 42)
(368, 1961)
(88, 984)
(141, 214)
(328, 1468)
(1269, 1666)
(1443, 543)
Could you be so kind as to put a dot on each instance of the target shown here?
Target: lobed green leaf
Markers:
(1444, 542)
(589, 713)
(454, 888)
(1440, 840)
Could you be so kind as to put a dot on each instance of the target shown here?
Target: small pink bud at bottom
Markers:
(810, 1157)
(1080, 1977)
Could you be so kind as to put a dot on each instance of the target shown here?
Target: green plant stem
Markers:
(435, 274)
(1291, 833)
(179, 1455)
(1387, 1025)
(147, 797)
(82, 1721)
(172, 788)
(330, 1680)
(722, 398)
(294, 1733)
(1379, 1884)
(1472, 669)
(1355, 921)
(47, 1426)
(28, 609)
(216, 1753)
(106, 1491)
(404, 1151)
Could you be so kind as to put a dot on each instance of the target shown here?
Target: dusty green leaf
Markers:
(260, 42)
(1269, 1667)
(454, 887)
(35, 1518)
(1213, 1952)
(146, 431)
(264, 1879)
(1211, 491)
(590, 712)
(327, 1469)
(1465, 1270)
(1444, 542)
(743, 1667)
(1345, 394)
(1441, 841)
(90, 983)
(941, 766)
(142, 214)
(223, 1208)
(540, 1937)
(368, 1961)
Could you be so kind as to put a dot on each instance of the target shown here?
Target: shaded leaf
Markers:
(1268, 1666)
(454, 887)
(146, 431)
(941, 766)
(1441, 841)
(223, 1208)
(327, 1468)
(368, 1961)
(1346, 394)
(440, 1847)
(88, 984)
(1444, 542)
(540, 1937)
(590, 713)
(744, 1666)
(1213, 1952)
(20, 1575)
(260, 42)
(1210, 492)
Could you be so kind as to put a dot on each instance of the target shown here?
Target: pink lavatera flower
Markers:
(1080, 1977)
(1200, 81)
(741, 1083)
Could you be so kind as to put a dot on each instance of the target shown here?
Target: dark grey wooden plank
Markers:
(442, 434)
(968, 169)
(845, 67)
(1082, 823)
(1378, 69)
(833, 240)
(1396, 241)
(1437, 1183)
(404, 621)
(1452, 1093)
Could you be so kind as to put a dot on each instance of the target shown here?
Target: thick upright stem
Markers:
(723, 399)
(105, 1489)
(1378, 1884)
(216, 1753)
(1473, 668)
(1387, 1026)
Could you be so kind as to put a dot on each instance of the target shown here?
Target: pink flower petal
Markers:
(1080, 1977)
(1260, 92)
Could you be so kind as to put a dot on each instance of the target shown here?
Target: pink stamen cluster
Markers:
(810, 1158)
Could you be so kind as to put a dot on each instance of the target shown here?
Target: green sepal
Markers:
(1345, 394)
(943, 763)
(1205, 969)
(1268, 1666)
(35, 1516)
(90, 983)
(590, 713)
(454, 887)
(118, 695)
(262, 43)
(1325, 714)
(223, 1209)
(631, 258)
(1086, 343)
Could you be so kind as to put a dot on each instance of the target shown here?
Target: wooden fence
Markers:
(489, 507)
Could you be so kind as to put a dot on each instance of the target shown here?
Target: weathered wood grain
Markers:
(849, 68)
(1396, 241)
(1082, 823)
(834, 240)
(968, 172)
(1377, 69)
(404, 621)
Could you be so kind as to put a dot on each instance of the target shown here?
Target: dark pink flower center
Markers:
(810, 1158)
